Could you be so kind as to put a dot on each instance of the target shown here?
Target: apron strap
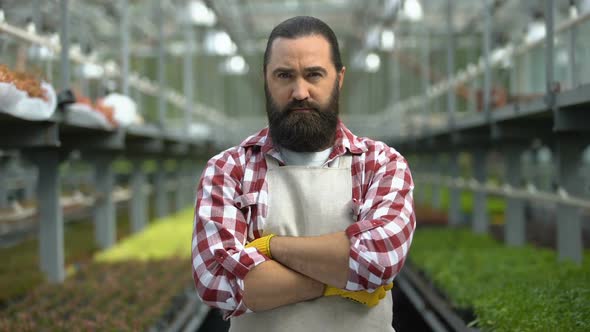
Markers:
(345, 161)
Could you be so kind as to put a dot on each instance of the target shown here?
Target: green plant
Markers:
(510, 289)
(128, 288)
(496, 205)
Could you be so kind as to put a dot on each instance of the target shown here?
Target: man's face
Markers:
(302, 89)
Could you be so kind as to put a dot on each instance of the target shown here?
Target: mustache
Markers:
(295, 104)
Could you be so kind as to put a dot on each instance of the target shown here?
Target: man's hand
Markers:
(262, 244)
(363, 297)
(265, 281)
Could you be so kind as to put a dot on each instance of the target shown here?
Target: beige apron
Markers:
(307, 201)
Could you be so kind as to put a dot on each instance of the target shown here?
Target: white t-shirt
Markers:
(310, 159)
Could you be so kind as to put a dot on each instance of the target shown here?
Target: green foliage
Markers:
(496, 205)
(167, 237)
(128, 296)
(127, 288)
(510, 289)
(20, 272)
(122, 166)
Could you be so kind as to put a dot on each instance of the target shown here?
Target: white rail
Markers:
(529, 193)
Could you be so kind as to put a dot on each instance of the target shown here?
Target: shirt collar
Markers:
(345, 141)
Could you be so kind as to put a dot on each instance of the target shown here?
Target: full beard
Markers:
(310, 131)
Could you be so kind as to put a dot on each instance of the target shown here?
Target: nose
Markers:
(300, 90)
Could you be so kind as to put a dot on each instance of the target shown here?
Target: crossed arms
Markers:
(364, 256)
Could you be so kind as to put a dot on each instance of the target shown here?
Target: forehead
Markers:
(311, 50)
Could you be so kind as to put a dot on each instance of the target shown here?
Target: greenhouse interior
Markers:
(114, 116)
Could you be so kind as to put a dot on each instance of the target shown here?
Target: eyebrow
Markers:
(283, 70)
(316, 68)
(307, 70)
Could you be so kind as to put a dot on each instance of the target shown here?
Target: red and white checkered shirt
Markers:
(231, 210)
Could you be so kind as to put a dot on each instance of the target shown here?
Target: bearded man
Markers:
(303, 226)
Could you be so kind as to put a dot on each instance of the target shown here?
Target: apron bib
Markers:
(310, 201)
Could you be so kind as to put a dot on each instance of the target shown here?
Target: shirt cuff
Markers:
(239, 264)
(362, 226)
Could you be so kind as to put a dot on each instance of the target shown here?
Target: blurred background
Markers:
(110, 109)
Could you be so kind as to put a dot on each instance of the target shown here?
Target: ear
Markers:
(341, 77)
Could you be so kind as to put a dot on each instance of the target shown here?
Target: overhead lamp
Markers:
(234, 65)
(54, 39)
(372, 62)
(535, 31)
(41, 53)
(237, 65)
(574, 12)
(219, 43)
(387, 40)
(412, 10)
(202, 15)
(177, 48)
(31, 28)
(110, 67)
(92, 71)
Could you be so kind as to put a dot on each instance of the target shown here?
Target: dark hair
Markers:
(301, 26)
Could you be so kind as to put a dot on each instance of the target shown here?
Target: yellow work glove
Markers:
(362, 297)
(262, 244)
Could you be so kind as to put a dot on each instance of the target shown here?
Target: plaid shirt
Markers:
(231, 210)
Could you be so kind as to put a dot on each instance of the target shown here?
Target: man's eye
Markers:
(284, 75)
(315, 75)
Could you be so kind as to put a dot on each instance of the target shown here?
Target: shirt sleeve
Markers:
(220, 261)
(381, 237)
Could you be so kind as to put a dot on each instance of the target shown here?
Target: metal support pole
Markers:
(3, 182)
(51, 223)
(161, 190)
(396, 80)
(183, 184)
(84, 86)
(451, 102)
(188, 74)
(369, 95)
(64, 38)
(193, 171)
(514, 89)
(435, 169)
(104, 206)
(487, 45)
(161, 64)
(569, 151)
(220, 94)
(515, 223)
(454, 193)
(139, 200)
(36, 9)
(125, 32)
(30, 183)
(573, 40)
(472, 54)
(139, 94)
(549, 54)
(426, 77)
(396, 68)
(179, 192)
(480, 206)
